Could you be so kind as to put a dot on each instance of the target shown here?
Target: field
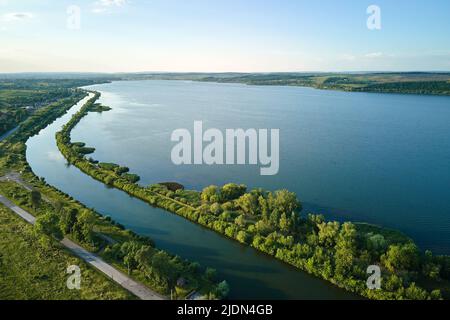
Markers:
(31, 269)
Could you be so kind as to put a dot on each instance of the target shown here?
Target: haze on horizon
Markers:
(223, 36)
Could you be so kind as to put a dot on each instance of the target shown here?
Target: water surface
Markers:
(251, 275)
(379, 158)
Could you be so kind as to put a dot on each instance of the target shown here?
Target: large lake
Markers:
(378, 158)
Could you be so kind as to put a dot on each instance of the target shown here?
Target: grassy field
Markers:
(33, 270)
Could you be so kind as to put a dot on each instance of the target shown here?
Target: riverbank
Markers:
(317, 252)
(91, 230)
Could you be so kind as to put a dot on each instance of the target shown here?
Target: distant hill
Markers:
(432, 83)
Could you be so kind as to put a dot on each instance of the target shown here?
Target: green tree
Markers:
(35, 198)
(430, 268)
(232, 191)
(401, 257)
(109, 180)
(316, 219)
(328, 233)
(131, 258)
(211, 274)
(393, 283)
(242, 237)
(84, 227)
(121, 170)
(248, 203)
(345, 249)
(208, 193)
(215, 209)
(48, 224)
(264, 208)
(274, 217)
(285, 201)
(263, 227)
(413, 292)
(240, 221)
(68, 220)
(164, 269)
(59, 206)
(222, 290)
(376, 243)
(285, 223)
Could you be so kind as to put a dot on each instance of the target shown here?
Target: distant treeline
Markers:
(405, 83)
(431, 87)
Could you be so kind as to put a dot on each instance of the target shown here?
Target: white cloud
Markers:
(374, 55)
(99, 10)
(348, 57)
(55, 156)
(16, 16)
(102, 6)
(108, 3)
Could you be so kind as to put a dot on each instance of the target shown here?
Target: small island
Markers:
(98, 107)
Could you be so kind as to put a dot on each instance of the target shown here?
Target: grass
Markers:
(32, 270)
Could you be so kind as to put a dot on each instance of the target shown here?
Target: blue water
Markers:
(379, 158)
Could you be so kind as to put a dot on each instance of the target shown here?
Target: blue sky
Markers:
(224, 35)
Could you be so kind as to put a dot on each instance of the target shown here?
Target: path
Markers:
(8, 133)
(15, 177)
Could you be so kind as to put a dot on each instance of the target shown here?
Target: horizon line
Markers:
(215, 72)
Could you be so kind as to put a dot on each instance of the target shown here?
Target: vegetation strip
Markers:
(271, 223)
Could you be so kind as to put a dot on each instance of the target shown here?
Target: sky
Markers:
(223, 35)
